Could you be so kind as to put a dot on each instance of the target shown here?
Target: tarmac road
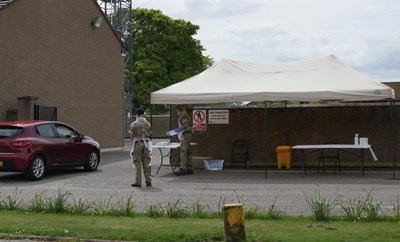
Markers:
(286, 189)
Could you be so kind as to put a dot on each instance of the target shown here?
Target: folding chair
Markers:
(240, 152)
(329, 154)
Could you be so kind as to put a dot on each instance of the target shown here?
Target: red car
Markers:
(37, 146)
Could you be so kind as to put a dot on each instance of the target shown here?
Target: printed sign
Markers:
(218, 116)
(199, 120)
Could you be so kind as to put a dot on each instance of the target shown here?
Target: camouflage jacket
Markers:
(141, 128)
(183, 118)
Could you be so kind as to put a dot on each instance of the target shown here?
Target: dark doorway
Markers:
(45, 113)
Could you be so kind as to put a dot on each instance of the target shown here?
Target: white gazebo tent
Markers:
(325, 78)
(320, 79)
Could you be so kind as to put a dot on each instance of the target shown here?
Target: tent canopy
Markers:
(325, 78)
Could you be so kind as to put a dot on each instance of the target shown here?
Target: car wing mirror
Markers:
(80, 137)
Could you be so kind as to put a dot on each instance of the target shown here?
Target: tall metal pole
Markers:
(119, 13)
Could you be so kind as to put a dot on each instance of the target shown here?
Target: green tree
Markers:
(164, 53)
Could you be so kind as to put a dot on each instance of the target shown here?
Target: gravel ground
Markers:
(285, 189)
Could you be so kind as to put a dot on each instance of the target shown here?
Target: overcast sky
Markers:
(364, 34)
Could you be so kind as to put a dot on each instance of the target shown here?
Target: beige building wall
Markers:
(50, 50)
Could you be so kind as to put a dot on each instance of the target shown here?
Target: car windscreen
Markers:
(9, 131)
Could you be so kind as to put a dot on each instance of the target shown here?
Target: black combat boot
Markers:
(181, 172)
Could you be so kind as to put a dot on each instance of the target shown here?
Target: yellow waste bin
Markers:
(284, 156)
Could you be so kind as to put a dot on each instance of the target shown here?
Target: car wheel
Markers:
(93, 161)
(36, 168)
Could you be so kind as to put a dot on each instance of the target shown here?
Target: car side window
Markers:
(65, 132)
(45, 130)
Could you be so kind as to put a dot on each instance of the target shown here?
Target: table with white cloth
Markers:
(165, 149)
(341, 147)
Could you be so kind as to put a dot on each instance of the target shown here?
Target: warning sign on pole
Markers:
(199, 120)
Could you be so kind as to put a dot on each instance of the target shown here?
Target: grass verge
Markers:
(143, 228)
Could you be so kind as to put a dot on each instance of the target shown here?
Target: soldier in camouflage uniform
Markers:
(185, 136)
(140, 135)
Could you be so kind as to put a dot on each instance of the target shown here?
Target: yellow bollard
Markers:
(234, 223)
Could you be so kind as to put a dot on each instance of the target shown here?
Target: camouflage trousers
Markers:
(185, 150)
(141, 158)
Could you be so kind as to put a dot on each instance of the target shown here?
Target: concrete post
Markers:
(234, 223)
(26, 107)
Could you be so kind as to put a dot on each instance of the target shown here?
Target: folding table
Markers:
(165, 149)
(341, 147)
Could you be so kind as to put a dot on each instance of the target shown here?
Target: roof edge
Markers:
(110, 25)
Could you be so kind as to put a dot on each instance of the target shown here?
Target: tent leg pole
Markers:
(170, 119)
(265, 139)
(393, 136)
(287, 124)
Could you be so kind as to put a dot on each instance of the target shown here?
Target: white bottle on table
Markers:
(356, 141)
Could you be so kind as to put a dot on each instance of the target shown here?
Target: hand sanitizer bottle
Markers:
(356, 142)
